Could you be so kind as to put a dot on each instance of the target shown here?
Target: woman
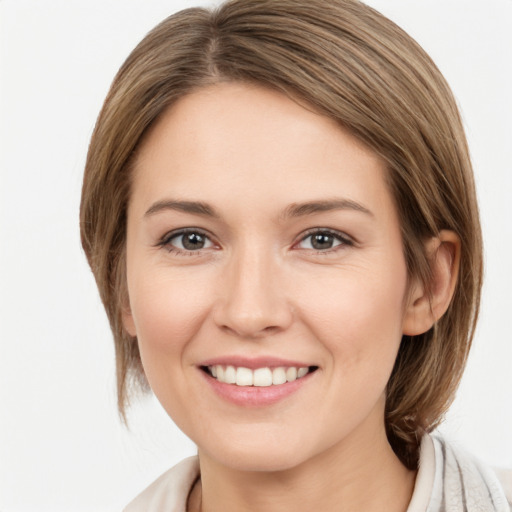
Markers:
(279, 210)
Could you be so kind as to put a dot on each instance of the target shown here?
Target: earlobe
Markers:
(128, 323)
(427, 306)
(124, 302)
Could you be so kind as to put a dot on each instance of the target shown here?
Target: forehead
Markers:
(235, 140)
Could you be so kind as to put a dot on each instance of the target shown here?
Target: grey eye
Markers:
(323, 241)
(193, 241)
(189, 241)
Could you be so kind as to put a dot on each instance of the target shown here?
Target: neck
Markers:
(356, 474)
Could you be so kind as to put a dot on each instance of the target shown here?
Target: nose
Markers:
(252, 302)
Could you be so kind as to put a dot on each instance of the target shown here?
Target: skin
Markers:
(259, 288)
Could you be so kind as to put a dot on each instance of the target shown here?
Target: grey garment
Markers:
(463, 484)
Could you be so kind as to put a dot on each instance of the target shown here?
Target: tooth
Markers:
(243, 377)
(262, 377)
(291, 374)
(230, 375)
(278, 376)
(302, 371)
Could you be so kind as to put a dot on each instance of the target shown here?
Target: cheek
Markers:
(358, 315)
(167, 310)
(359, 322)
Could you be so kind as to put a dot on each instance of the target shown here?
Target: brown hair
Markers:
(354, 65)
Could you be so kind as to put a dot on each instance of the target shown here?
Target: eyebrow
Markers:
(311, 207)
(195, 207)
(291, 211)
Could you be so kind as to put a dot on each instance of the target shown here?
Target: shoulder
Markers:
(170, 491)
(462, 480)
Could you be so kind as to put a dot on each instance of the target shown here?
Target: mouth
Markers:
(258, 377)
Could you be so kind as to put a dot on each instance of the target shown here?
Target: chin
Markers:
(262, 456)
(258, 462)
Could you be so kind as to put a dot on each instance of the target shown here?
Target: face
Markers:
(266, 277)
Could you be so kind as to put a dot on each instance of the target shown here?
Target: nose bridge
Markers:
(253, 303)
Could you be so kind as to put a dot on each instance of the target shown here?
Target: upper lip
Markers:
(254, 362)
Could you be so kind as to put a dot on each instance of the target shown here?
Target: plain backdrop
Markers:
(62, 447)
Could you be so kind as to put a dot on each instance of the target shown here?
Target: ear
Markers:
(121, 281)
(126, 311)
(128, 322)
(423, 308)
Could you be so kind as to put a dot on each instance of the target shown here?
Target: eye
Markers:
(186, 240)
(323, 240)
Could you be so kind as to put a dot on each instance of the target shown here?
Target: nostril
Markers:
(248, 330)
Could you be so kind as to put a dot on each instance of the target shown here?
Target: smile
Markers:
(258, 377)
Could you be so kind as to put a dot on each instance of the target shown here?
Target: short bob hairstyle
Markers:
(345, 61)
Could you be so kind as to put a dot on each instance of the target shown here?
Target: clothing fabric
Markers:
(448, 480)
(451, 480)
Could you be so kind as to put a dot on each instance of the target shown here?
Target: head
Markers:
(365, 74)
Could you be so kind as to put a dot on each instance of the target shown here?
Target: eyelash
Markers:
(345, 240)
(165, 242)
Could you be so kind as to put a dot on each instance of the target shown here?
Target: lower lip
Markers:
(255, 396)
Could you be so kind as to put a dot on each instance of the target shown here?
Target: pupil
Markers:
(193, 241)
(322, 241)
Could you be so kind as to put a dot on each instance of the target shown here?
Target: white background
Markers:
(62, 447)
